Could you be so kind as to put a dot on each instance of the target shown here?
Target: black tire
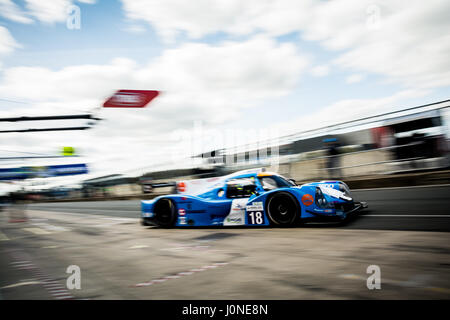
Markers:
(283, 209)
(165, 213)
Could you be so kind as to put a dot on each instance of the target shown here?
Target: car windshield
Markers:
(274, 182)
(240, 188)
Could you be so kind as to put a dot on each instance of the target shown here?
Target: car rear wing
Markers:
(198, 186)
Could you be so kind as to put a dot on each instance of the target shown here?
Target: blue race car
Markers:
(249, 198)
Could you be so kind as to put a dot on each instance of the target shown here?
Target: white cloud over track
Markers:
(406, 41)
(210, 83)
(403, 42)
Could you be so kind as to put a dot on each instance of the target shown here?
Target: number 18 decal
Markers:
(255, 218)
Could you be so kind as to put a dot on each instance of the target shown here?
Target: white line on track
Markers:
(49, 227)
(58, 291)
(20, 262)
(94, 216)
(65, 297)
(408, 215)
(398, 283)
(37, 230)
(181, 274)
(407, 187)
(139, 246)
(52, 209)
(26, 283)
(3, 237)
(52, 286)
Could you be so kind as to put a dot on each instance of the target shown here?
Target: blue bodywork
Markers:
(315, 200)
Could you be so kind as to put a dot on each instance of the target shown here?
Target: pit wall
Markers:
(359, 169)
(361, 163)
(355, 164)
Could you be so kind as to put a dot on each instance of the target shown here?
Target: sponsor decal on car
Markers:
(182, 220)
(236, 215)
(236, 220)
(307, 199)
(255, 206)
(237, 206)
(181, 212)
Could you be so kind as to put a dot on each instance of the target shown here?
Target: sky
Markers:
(234, 69)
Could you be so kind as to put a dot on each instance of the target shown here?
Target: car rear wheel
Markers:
(165, 213)
(282, 209)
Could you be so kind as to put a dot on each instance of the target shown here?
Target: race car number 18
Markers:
(256, 218)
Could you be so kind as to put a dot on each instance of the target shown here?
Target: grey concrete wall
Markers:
(357, 163)
(306, 170)
(352, 164)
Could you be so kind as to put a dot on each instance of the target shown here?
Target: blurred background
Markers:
(402, 148)
(292, 86)
(107, 103)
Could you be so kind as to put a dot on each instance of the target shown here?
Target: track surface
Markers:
(417, 208)
(404, 232)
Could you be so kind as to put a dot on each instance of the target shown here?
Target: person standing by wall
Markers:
(333, 158)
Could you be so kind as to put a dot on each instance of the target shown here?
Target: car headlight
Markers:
(346, 198)
(346, 192)
(321, 201)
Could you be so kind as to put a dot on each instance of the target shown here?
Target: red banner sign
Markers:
(130, 99)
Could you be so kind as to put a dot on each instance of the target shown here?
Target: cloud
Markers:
(406, 43)
(7, 42)
(199, 82)
(170, 17)
(135, 28)
(348, 110)
(354, 78)
(233, 71)
(9, 10)
(320, 71)
(47, 11)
